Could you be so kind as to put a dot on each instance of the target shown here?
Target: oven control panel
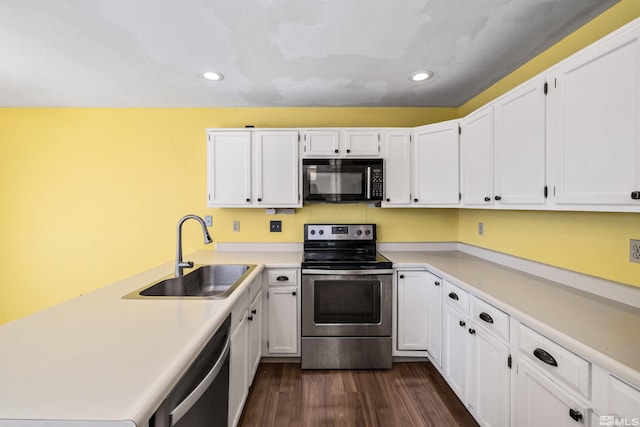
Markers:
(340, 232)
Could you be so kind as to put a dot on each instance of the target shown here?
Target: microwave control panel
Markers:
(376, 183)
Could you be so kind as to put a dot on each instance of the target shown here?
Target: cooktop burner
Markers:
(342, 246)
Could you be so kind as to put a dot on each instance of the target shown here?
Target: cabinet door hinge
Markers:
(509, 361)
(546, 88)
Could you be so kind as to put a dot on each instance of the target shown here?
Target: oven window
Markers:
(346, 301)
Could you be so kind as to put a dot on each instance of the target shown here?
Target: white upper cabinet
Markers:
(321, 143)
(594, 126)
(229, 169)
(339, 143)
(361, 143)
(477, 157)
(253, 169)
(435, 169)
(276, 168)
(519, 145)
(397, 168)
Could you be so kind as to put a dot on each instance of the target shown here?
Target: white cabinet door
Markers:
(255, 336)
(456, 351)
(594, 124)
(361, 143)
(477, 157)
(229, 169)
(321, 143)
(519, 145)
(541, 402)
(413, 298)
(434, 315)
(283, 320)
(238, 369)
(490, 379)
(276, 169)
(435, 164)
(397, 168)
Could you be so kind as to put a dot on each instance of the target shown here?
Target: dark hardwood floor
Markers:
(410, 394)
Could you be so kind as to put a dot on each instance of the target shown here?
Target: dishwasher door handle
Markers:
(181, 409)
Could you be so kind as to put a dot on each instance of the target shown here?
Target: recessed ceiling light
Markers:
(421, 76)
(213, 75)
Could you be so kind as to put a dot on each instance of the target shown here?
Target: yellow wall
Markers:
(591, 243)
(90, 196)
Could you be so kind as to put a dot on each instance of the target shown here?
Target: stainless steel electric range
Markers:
(346, 299)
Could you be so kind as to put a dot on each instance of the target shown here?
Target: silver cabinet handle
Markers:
(197, 392)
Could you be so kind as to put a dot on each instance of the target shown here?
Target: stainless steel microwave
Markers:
(342, 180)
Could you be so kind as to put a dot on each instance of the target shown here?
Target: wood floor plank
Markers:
(410, 394)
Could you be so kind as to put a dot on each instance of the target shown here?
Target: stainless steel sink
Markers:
(216, 281)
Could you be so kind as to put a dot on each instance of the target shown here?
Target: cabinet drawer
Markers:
(491, 318)
(456, 297)
(624, 400)
(282, 277)
(556, 360)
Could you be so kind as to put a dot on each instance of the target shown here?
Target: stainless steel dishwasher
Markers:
(201, 396)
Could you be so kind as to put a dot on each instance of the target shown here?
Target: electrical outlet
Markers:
(236, 226)
(481, 228)
(275, 226)
(634, 250)
(208, 220)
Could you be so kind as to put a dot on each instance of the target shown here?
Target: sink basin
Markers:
(215, 281)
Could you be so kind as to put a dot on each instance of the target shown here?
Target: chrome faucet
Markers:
(180, 265)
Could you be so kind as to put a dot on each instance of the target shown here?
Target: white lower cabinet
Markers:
(282, 313)
(413, 299)
(418, 315)
(542, 402)
(246, 348)
(238, 369)
(489, 379)
(254, 316)
(456, 350)
(476, 358)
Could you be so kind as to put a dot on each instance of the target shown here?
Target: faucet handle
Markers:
(186, 264)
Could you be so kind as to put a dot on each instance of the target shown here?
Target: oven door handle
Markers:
(348, 272)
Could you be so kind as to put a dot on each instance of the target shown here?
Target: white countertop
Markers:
(101, 357)
(605, 331)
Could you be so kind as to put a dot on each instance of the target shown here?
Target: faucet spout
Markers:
(180, 264)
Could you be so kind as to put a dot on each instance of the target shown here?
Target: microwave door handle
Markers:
(368, 195)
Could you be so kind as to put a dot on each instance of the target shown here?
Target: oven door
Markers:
(355, 303)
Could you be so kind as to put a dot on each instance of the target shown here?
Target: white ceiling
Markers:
(151, 53)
